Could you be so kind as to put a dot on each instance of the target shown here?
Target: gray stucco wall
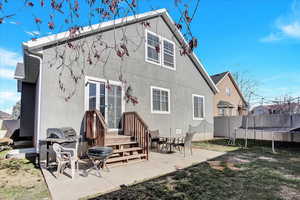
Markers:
(141, 75)
(27, 110)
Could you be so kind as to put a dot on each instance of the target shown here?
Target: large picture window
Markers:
(198, 107)
(160, 100)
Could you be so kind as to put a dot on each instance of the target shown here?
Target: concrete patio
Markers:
(159, 164)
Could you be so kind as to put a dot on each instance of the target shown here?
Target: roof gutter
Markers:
(39, 56)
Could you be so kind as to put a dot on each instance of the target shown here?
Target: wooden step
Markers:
(120, 143)
(109, 139)
(125, 158)
(127, 149)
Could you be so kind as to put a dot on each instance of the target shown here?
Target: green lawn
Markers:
(247, 174)
(20, 179)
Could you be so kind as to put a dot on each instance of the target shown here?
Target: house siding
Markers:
(27, 113)
(141, 75)
(235, 98)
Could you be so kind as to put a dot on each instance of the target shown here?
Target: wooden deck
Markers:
(131, 144)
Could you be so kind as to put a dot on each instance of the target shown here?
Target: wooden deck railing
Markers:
(134, 126)
(96, 127)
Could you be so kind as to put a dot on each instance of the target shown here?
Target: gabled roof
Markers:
(224, 104)
(88, 30)
(217, 78)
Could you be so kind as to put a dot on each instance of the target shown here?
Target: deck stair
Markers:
(132, 144)
(125, 149)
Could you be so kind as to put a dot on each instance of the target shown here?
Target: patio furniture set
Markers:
(169, 144)
(64, 142)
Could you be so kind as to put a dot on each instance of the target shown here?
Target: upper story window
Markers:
(168, 54)
(160, 100)
(198, 107)
(228, 91)
(153, 48)
(160, 50)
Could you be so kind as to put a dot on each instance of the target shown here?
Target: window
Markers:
(107, 99)
(160, 100)
(198, 107)
(153, 42)
(228, 91)
(221, 111)
(160, 50)
(168, 54)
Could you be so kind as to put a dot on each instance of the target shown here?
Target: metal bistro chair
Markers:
(65, 157)
(154, 137)
(179, 143)
(185, 143)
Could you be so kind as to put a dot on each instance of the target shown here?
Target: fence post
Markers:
(235, 130)
(273, 145)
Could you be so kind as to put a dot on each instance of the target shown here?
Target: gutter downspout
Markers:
(39, 57)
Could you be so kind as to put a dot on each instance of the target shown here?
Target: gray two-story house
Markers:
(173, 90)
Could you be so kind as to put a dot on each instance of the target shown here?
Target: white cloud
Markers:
(9, 58)
(292, 30)
(6, 73)
(286, 26)
(32, 33)
(9, 96)
(271, 38)
(8, 110)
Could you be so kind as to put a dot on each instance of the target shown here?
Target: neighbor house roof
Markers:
(39, 43)
(224, 104)
(4, 115)
(217, 78)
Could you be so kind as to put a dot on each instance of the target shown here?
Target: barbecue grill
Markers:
(65, 136)
(98, 155)
(61, 135)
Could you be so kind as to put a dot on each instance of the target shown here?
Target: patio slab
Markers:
(158, 164)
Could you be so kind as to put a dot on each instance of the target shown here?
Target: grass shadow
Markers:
(252, 173)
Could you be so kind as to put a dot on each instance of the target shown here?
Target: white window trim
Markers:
(146, 47)
(198, 118)
(169, 100)
(228, 91)
(86, 95)
(174, 52)
(161, 54)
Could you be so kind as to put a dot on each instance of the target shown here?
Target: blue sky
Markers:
(259, 37)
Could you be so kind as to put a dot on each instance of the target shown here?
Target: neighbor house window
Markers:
(160, 100)
(153, 48)
(221, 111)
(168, 54)
(198, 107)
(228, 91)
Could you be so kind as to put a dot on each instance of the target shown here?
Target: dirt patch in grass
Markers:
(247, 174)
(20, 179)
(215, 145)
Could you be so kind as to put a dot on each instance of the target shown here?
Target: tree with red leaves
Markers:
(68, 15)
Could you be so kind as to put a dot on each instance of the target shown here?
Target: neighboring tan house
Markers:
(229, 101)
(173, 91)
